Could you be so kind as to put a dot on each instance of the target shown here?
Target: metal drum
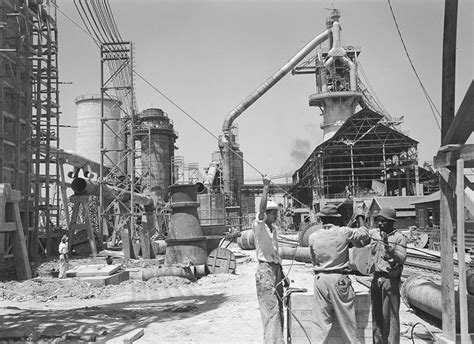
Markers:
(247, 240)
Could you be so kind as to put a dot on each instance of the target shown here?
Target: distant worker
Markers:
(63, 256)
(269, 277)
(333, 292)
(389, 254)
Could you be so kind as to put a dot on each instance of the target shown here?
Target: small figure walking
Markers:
(63, 256)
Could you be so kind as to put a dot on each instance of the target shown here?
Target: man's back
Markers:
(329, 246)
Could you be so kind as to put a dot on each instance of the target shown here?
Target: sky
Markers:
(207, 56)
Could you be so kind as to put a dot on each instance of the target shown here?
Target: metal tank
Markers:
(157, 139)
(88, 133)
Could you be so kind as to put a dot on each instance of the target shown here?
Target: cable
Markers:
(428, 98)
(413, 329)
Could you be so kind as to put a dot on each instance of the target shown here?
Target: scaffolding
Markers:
(118, 79)
(365, 156)
(29, 101)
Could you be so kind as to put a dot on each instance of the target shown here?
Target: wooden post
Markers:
(462, 289)
(10, 222)
(447, 264)
(447, 197)
(83, 201)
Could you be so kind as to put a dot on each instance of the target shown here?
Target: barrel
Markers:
(304, 234)
(247, 240)
(360, 259)
(299, 254)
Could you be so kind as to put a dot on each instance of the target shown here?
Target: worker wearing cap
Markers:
(389, 254)
(333, 292)
(63, 256)
(269, 277)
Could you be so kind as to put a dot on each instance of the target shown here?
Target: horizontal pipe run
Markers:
(82, 186)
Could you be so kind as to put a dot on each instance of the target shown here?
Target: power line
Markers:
(425, 92)
(180, 108)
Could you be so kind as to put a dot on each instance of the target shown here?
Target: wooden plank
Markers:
(7, 227)
(92, 270)
(449, 66)
(101, 281)
(462, 288)
(463, 124)
(447, 264)
(448, 157)
(133, 336)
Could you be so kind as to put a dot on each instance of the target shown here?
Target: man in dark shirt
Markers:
(389, 254)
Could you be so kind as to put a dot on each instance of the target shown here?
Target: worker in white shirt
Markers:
(269, 277)
(63, 256)
(333, 292)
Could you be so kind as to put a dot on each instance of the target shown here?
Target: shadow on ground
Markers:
(102, 323)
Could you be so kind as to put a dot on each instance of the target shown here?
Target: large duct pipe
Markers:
(271, 81)
(211, 174)
(424, 294)
(188, 272)
(227, 143)
(82, 186)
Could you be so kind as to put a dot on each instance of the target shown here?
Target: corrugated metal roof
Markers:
(428, 198)
(396, 202)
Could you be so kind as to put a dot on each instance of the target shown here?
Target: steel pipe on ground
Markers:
(424, 294)
(82, 186)
(188, 272)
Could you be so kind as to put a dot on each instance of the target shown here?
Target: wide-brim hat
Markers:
(329, 211)
(272, 206)
(387, 213)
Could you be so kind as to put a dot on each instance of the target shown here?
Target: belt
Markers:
(337, 271)
(378, 274)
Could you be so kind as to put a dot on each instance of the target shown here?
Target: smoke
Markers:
(300, 150)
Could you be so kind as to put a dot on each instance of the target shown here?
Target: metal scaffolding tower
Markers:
(118, 57)
(29, 113)
(45, 122)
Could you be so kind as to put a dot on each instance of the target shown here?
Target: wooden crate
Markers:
(302, 316)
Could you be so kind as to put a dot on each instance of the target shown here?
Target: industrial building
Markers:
(364, 153)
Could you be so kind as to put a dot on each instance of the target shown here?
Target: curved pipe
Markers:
(271, 81)
(82, 186)
(352, 71)
(200, 188)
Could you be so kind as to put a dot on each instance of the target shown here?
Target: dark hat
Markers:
(329, 210)
(387, 213)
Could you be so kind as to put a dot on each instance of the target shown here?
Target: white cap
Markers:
(272, 205)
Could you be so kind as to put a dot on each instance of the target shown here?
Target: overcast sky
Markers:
(209, 55)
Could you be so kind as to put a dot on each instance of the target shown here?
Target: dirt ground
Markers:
(215, 309)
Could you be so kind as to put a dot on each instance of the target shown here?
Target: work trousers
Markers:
(63, 266)
(385, 297)
(334, 299)
(269, 278)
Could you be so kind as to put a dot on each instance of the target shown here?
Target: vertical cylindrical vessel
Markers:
(158, 137)
(185, 241)
(88, 133)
